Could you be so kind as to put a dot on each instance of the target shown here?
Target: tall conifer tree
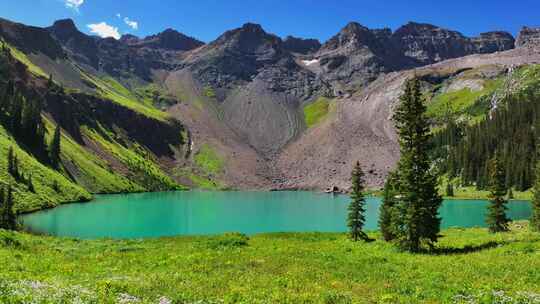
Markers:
(419, 201)
(10, 218)
(54, 148)
(387, 209)
(535, 218)
(496, 217)
(357, 208)
(11, 161)
(2, 206)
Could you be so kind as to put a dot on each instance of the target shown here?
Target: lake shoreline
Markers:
(374, 193)
(140, 215)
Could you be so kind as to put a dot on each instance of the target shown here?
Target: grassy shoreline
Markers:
(270, 268)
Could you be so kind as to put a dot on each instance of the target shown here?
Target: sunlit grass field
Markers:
(468, 266)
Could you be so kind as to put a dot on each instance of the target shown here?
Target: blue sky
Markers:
(207, 19)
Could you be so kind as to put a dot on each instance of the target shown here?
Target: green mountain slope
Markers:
(110, 141)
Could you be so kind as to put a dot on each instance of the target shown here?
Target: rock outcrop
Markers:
(168, 40)
(357, 54)
(301, 46)
(236, 56)
(30, 39)
(491, 42)
(81, 47)
(528, 37)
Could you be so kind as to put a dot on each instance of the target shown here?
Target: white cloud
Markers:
(119, 15)
(104, 30)
(132, 24)
(74, 4)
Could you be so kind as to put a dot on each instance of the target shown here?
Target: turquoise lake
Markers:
(199, 213)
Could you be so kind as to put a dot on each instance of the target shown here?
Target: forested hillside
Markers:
(508, 126)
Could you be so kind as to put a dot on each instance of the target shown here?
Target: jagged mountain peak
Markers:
(425, 29)
(248, 31)
(65, 29)
(65, 24)
(353, 27)
(30, 39)
(353, 36)
(129, 39)
(252, 27)
(250, 38)
(419, 25)
(171, 39)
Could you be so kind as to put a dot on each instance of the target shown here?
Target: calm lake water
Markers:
(196, 213)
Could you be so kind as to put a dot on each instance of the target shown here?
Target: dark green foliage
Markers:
(496, 217)
(22, 117)
(54, 149)
(509, 129)
(387, 207)
(8, 219)
(357, 208)
(30, 184)
(16, 172)
(416, 221)
(228, 240)
(55, 186)
(535, 218)
(2, 206)
(13, 168)
(449, 189)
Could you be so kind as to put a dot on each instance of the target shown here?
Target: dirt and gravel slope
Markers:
(360, 127)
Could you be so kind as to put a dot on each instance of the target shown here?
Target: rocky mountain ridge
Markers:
(528, 37)
(357, 54)
(247, 95)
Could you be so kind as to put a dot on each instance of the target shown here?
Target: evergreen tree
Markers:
(2, 206)
(30, 184)
(10, 218)
(535, 218)
(16, 113)
(357, 208)
(56, 186)
(466, 150)
(7, 94)
(418, 204)
(449, 189)
(16, 172)
(13, 164)
(387, 209)
(496, 217)
(54, 148)
(11, 161)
